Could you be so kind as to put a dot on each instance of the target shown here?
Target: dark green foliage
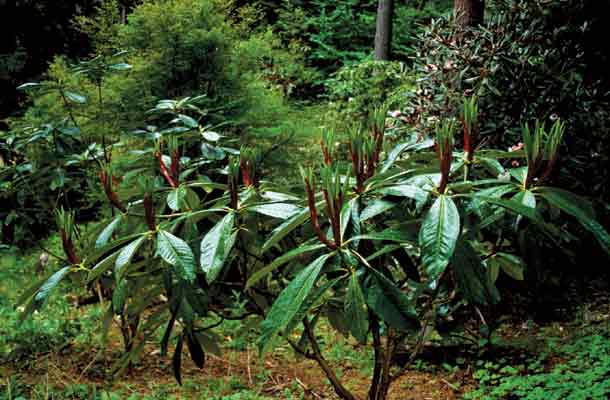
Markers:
(582, 373)
(531, 59)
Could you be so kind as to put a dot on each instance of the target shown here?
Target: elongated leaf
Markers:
(526, 198)
(438, 235)
(47, 288)
(283, 259)
(401, 233)
(520, 209)
(197, 354)
(376, 207)
(213, 247)
(119, 295)
(289, 302)
(285, 228)
(177, 360)
(580, 209)
(399, 149)
(125, 256)
(389, 303)
(309, 302)
(175, 198)
(570, 200)
(177, 253)
(492, 165)
(355, 309)
(346, 215)
(102, 266)
(209, 342)
(168, 330)
(75, 97)
(277, 210)
(29, 292)
(471, 275)
(409, 191)
(106, 234)
(512, 265)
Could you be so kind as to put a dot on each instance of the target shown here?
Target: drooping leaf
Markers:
(177, 360)
(209, 342)
(47, 288)
(125, 256)
(119, 296)
(580, 209)
(168, 330)
(289, 302)
(197, 354)
(213, 247)
(438, 235)
(471, 275)
(356, 312)
(281, 260)
(176, 252)
(106, 234)
(389, 303)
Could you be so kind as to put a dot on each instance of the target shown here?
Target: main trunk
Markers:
(383, 35)
(468, 12)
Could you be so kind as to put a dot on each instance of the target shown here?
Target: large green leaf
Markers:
(526, 197)
(355, 309)
(512, 265)
(520, 209)
(277, 210)
(389, 303)
(175, 198)
(347, 213)
(409, 191)
(125, 256)
(580, 209)
(403, 233)
(214, 249)
(281, 260)
(311, 300)
(47, 288)
(177, 253)
(375, 208)
(471, 275)
(438, 235)
(402, 147)
(106, 234)
(102, 266)
(285, 228)
(289, 302)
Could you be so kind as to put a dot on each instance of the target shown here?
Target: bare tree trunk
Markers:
(383, 34)
(468, 12)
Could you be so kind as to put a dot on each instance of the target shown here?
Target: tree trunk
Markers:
(383, 34)
(468, 12)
